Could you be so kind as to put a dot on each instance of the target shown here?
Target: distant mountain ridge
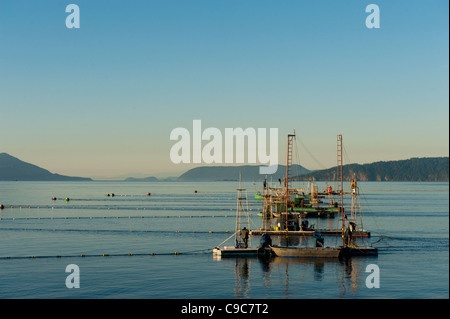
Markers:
(231, 173)
(427, 169)
(13, 169)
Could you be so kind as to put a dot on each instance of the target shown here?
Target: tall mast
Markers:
(241, 196)
(238, 211)
(341, 178)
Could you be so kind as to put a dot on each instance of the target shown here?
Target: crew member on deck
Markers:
(353, 186)
(244, 236)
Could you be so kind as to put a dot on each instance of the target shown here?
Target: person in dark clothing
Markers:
(244, 236)
(266, 241)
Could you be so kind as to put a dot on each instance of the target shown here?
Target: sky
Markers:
(101, 100)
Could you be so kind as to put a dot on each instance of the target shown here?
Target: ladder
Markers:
(289, 160)
(290, 142)
(341, 180)
(339, 162)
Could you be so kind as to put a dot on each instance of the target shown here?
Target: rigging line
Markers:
(312, 156)
(227, 239)
(253, 223)
(367, 208)
(370, 215)
(297, 159)
(297, 152)
(346, 156)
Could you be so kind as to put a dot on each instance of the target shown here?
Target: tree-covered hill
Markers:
(429, 169)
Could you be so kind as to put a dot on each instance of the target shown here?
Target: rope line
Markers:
(117, 230)
(110, 217)
(108, 255)
(124, 207)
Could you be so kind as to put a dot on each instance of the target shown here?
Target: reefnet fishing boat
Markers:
(349, 225)
(242, 241)
(293, 222)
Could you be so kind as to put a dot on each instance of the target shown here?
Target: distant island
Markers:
(428, 169)
(13, 169)
(143, 179)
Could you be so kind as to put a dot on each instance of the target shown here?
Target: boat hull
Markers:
(310, 252)
(233, 251)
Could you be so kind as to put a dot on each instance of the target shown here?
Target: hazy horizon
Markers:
(175, 174)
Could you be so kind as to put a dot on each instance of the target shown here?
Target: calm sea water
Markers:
(409, 224)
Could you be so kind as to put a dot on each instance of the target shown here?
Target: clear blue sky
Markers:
(102, 100)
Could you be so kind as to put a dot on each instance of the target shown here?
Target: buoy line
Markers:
(117, 230)
(116, 207)
(110, 217)
(176, 253)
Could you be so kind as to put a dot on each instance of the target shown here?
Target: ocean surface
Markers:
(160, 246)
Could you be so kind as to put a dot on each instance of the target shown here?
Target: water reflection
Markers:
(298, 277)
(242, 277)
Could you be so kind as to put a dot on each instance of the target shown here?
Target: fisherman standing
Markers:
(353, 186)
(244, 236)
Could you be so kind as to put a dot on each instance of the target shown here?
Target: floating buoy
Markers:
(195, 192)
(67, 199)
(1, 206)
(53, 198)
(148, 194)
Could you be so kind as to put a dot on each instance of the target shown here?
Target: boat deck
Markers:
(306, 232)
(282, 232)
